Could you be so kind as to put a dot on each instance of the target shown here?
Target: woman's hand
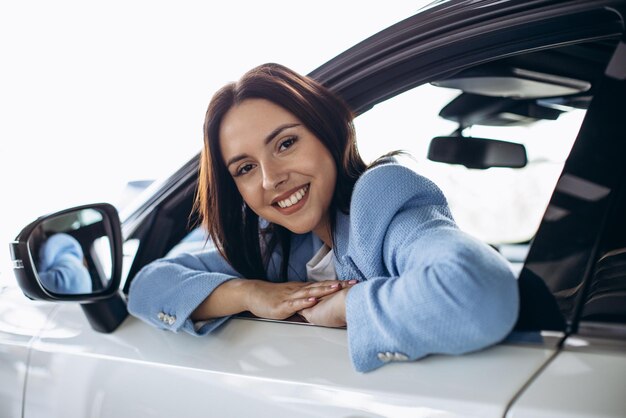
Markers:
(330, 311)
(281, 300)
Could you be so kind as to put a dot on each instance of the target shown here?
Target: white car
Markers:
(547, 79)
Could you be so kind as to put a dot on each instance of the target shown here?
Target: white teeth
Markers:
(294, 198)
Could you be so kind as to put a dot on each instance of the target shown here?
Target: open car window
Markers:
(497, 205)
(195, 241)
(501, 206)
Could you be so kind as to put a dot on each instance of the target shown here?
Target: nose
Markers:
(273, 175)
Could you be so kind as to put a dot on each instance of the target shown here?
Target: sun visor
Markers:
(514, 83)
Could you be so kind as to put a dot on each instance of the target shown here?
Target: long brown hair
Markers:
(232, 225)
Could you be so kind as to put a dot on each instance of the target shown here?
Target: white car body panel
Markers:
(21, 321)
(274, 369)
(577, 384)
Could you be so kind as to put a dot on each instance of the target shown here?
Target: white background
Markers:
(95, 94)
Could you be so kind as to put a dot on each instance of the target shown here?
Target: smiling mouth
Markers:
(294, 198)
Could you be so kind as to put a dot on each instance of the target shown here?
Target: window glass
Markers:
(497, 205)
(129, 251)
(195, 241)
(606, 297)
(605, 300)
(576, 260)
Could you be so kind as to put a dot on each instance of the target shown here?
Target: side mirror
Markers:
(74, 255)
(477, 153)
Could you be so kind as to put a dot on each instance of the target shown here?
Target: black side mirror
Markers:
(74, 255)
(478, 153)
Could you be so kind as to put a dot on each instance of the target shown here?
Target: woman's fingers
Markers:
(327, 287)
(329, 311)
(318, 290)
(281, 300)
(293, 306)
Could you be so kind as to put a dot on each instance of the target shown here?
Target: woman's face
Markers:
(283, 172)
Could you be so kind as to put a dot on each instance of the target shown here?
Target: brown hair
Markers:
(232, 225)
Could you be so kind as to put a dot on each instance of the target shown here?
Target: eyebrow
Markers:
(266, 141)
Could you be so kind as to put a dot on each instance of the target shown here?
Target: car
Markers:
(527, 105)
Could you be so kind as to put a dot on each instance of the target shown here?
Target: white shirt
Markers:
(321, 266)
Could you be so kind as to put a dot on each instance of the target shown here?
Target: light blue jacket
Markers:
(61, 269)
(425, 286)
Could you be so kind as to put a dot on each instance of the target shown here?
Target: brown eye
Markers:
(287, 143)
(244, 169)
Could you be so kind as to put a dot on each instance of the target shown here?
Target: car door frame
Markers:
(434, 45)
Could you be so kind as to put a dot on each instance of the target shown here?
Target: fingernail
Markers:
(353, 281)
(334, 286)
(311, 299)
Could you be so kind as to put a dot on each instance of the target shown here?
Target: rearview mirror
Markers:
(477, 153)
(74, 255)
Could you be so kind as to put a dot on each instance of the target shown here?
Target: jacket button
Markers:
(384, 357)
(400, 357)
(161, 316)
(171, 320)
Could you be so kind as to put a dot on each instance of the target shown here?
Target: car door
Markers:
(21, 321)
(274, 369)
(586, 379)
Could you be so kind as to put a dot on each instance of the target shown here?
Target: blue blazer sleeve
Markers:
(434, 289)
(61, 267)
(165, 292)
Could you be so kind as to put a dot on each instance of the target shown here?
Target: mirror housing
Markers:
(479, 153)
(74, 255)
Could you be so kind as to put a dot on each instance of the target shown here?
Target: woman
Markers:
(302, 225)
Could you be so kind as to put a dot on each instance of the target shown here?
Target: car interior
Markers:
(526, 90)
